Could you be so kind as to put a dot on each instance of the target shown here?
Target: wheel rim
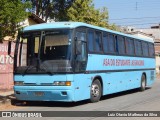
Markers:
(143, 83)
(95, 90)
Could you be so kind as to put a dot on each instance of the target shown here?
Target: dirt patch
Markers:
(8, 106)
(158, 76)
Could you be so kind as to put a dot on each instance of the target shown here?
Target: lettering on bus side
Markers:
(122, 62)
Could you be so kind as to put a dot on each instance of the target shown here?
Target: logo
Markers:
(6, 114)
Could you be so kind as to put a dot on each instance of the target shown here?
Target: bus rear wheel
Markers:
(96, 91)
(143, 83)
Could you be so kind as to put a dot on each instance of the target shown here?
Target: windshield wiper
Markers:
(28, 68)
(44, 68)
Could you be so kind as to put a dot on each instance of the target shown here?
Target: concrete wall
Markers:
(6, 67)
(157, 64)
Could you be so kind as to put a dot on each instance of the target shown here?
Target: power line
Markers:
(135, 18)
(137, 24)
(136, 6)
(132, 3)
(134, 22)
(118, 10)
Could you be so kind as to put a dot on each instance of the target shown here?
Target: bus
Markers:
(74, 61)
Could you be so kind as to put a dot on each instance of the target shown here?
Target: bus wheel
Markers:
(96, 91)
(143, 83)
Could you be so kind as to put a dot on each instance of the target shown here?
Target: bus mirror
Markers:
(78, 47)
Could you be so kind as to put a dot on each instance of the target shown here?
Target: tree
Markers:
(50, 9)
(11, 13)
(41, 8)
(60, 9)
(71, 10)
(84, 11)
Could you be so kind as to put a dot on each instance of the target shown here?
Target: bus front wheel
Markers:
(143, 83)
(96, 91)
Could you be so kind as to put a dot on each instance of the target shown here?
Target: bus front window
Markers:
(44, 52)
(55, 47)
(55, 52)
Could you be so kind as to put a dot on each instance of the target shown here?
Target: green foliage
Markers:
(114, 27)
(11, 13)
(41, 8)
(60, 8)
(84, 11)
(71, 10)
(50, 9)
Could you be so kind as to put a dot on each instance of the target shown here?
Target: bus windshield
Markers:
(44, 52)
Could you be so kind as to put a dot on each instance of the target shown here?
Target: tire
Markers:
(143, 83)
(96, 91)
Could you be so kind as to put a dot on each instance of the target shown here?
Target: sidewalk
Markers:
(6, 96)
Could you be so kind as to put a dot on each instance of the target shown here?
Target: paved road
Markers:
(133, 100)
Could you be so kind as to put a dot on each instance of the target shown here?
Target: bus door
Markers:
(80, 51)
(80, 80)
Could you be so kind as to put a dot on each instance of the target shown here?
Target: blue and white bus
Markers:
(73, 61)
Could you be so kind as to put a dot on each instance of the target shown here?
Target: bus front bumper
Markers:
(39, 93)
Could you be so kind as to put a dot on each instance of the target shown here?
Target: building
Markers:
(6, 62)
(31, 20)
(142, 35)
(126, 29)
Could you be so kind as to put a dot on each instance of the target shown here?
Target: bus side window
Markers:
(145, 48)
(111, 43)
(105, 42)
(121, 45)
(151, 50)
(138, 48)
(81, 38)
(90, 38)
(130, 46)
(81, 56)
(98, 42)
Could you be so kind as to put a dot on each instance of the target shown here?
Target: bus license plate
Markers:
(39, 93)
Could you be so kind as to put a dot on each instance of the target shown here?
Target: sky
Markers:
(136, 13)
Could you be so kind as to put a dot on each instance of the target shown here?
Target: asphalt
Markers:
(6, 97)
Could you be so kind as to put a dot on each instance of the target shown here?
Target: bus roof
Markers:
(71, 25)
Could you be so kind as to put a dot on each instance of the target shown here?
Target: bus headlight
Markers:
(18, 83)
(62, 83)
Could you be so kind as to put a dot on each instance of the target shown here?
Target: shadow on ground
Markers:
(5, 99)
